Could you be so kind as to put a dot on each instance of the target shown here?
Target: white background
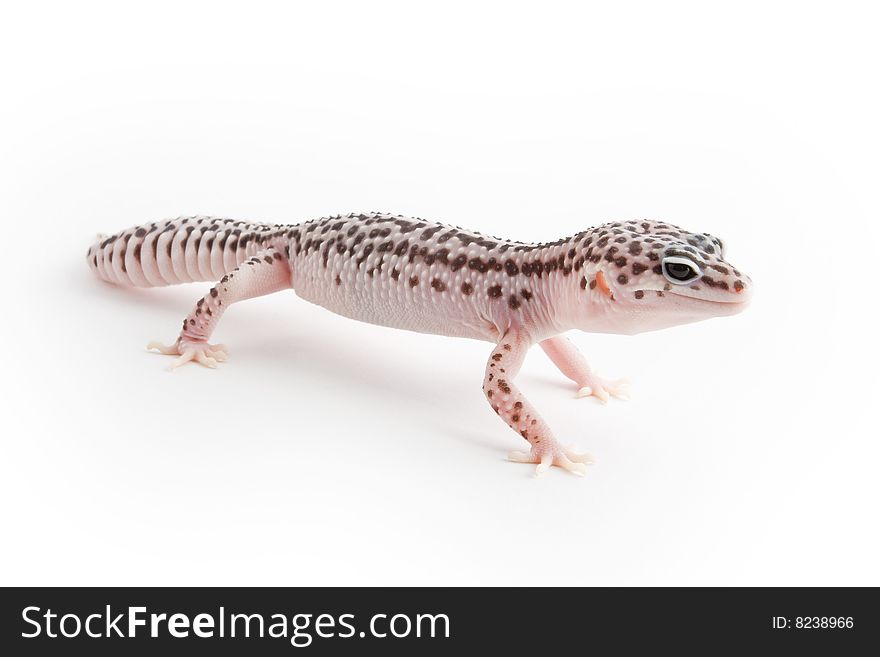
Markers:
(332, 452)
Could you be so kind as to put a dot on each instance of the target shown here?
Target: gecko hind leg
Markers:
(264, 273)
(572, 364)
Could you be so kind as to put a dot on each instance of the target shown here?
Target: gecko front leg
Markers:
(266, 272)
(508, 401)
(572, 364)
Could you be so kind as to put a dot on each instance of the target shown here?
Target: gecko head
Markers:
(651, 275)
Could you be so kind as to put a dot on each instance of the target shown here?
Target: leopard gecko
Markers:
(624, 277)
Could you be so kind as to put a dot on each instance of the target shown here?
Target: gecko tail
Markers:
(182, 250)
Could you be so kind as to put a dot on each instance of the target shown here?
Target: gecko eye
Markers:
(679, 270)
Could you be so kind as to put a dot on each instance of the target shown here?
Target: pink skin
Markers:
(573, 365)
(625, 277)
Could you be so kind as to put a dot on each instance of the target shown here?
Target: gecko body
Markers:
(409, 273)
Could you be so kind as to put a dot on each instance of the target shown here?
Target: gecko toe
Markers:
(184, 358)
(520, 457)
(168, 350)
(204, 359)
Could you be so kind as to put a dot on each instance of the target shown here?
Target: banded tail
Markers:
(182, 250)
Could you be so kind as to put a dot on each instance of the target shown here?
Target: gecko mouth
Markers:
(733, 300)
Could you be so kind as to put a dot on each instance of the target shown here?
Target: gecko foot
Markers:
(603, 390)
(201, 352)
(563, 457)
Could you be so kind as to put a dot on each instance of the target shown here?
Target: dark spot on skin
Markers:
(140, 232)
(515, 418)
(368, 249)
(638, 268)
(495, 291)
(620, 262)
(622, 279)
(526, 294)
(502, 385)
(490, 393)
(395, 273)
(268, 260)
(639, 294)
(497, 357)
(583, 283)
(635, 248)
(459, 262)
(467, 288)
(511, 268)
(720, 268)
(214, 292)
(513, 302)
(413, 281)
(507, 347)
(738, 285)
(593, 284)
(438, 285)
(518, 404)
(137, 253)
(657, 269)
(385, 246)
